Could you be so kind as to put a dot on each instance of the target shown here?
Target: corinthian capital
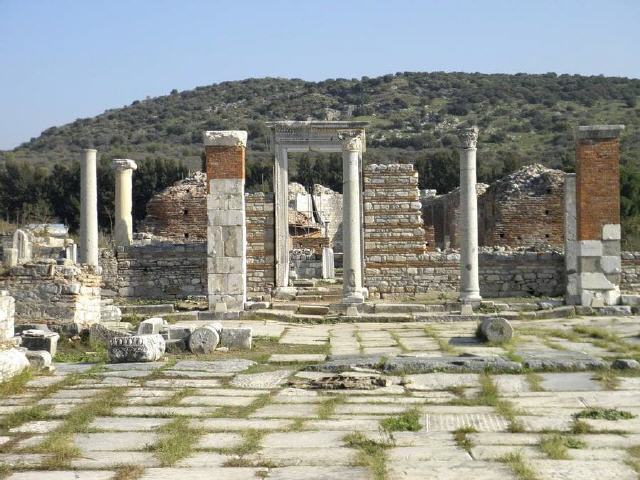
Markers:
(352, 140)
(468, 137)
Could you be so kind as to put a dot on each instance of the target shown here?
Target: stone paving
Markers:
(230, 418)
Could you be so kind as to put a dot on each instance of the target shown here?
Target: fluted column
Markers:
(352, 143)
(88, 208)
(123, 228)
(469, 281)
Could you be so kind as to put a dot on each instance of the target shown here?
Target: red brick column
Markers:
(598, 214)
(226, 220)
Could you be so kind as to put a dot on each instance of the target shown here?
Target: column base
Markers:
(470, 298)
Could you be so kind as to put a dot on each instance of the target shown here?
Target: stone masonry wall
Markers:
(7, 315)
(260, 214)
(179, 212)
(165, 270)
(44, 291)
(394, 239)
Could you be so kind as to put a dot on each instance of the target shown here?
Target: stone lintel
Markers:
(124, 164)
(598, 131)
(225, 138)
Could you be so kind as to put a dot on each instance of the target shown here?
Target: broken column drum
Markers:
(351, 218)
(88, 208)
(123, 227)
(469, 280)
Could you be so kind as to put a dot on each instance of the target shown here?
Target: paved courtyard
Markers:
(261, 415)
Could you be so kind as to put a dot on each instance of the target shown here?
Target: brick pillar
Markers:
(598, 214)
(226, 226)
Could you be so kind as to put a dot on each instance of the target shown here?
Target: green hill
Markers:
(523, 118)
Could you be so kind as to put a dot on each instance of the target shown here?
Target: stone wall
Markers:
(164, 270)
(524, 208)
(394, 237)
(305, 263)
(502, 274)
(329, 205)
(630, 277)
(260, 214)
(7, 315)
(44, 291)
(179, 212)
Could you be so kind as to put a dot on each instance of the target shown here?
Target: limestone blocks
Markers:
(40, 340)
(12, 362)
(138, 348)
(7, 314)
(204, 339)
(226, 138)
(495, 329)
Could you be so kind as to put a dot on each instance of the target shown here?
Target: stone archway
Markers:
(349, 139)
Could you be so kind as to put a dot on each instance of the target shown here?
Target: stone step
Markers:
(291, 307)
(158, 309)
(399, 307)
(303, 283)
(271, 314)
(313, 310)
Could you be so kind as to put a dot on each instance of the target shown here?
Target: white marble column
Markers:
(353, 291)
(123, 228)
(469, 281)
(281, 198)
(88, 208)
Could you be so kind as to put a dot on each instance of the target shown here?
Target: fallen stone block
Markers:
(147, 309)
(151, 326)
(495, 329)
(12, 362)
(176, 345)
(614, 310)
(179, 332)
(631, 300)
(236, 338)
(559, 360)
(204, 339)
(40, 340)
(38, 358)
(110, 313)
(100, 333)
(625, 364)
(137, 348)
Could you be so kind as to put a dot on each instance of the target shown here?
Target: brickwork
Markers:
(597, 186)
(261, 273)
(524, 208)
(224, 162)
(179, 212)
(394, 237)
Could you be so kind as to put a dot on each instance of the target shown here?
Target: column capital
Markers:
(124, 164)
(352, 140)
(225, 138)
(468, 137)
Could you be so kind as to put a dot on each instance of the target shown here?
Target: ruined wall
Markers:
(630, 278)
(164, 270)
(394, 239)
(179, 212)
(524, 208)
(7, 315)
(502, 274)
(305, 263)
(260, 214)
(441, 214)
(44, 291)
(329, 205)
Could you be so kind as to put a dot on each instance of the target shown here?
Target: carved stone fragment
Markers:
(137, 348)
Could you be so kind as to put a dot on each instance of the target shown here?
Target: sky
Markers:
(66, 59)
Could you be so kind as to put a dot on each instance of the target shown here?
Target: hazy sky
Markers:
(67, 59)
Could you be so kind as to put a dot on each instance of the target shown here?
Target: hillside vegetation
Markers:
(522, 118)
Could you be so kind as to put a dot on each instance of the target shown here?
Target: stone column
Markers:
(226, 225)
(123, 228)
(469, 281)
(281, 201)
(88, 208)
(353, 292)
(570, 244)
(598, 214)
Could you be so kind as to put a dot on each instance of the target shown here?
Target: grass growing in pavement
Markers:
(175, 399)
(408, 421)
(604, 414)
(580, 427)
(24, 415)
(608, 378)
(521, 469)
(371, 454)
(242, 411)
(557, 445)
(445, 346)
(80, 351)
(59, 444)
(327, 407)
(15, 384)
(128, 472)
(176, 442)
(251, 440)
(398, 340)
(461, 436)
(534, 381)
(633, 458)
